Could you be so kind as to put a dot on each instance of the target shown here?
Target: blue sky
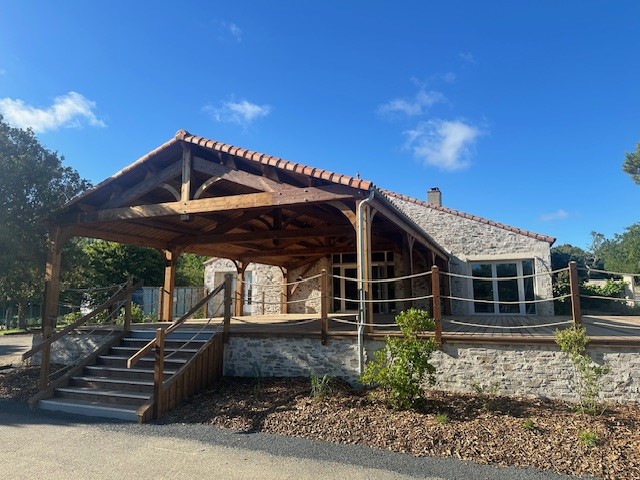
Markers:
(520, 112)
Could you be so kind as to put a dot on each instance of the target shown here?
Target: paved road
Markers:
(12, 347)
(56, 446)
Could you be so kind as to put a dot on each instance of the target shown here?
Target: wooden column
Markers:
(364, 253)
(324, 306)
(284, 294)
(185, 189)
(57, 238)
(407, 269)
(574, 284)
(436, 311)
(239, 295)
(170, 262)
(228, 295)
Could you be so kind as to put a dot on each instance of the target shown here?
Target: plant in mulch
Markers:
(588, 438)
(573, 341)
(400, 368)
(487, 394)
(442, 418)
(529, 425)
(321, 386)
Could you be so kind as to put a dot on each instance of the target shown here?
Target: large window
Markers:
(503, 287)
(345, 291)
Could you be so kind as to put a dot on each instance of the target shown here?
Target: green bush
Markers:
(400, 368)
(320, 386)
(573, 341)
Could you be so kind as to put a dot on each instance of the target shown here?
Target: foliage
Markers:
(563, 254)
(401, 366)
(137, 315)
(190, 270)
(631, 164)
(34, 184)
(529, 425)
(321, 387)
(573, 341)
(442, 418)
(487, 394)
(588, 438)
(622, 252)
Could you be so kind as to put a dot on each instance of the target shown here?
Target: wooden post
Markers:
(158, 374)
(407, 269)
(263, 302)
(51, 297)
(226, 326)
(324, 306)
(574, 285)
(170, 261)
(239, 290)
(284, 298)
(437, 311)
(127, 306)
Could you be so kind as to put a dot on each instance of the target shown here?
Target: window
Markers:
(345, 290)
(502, 287)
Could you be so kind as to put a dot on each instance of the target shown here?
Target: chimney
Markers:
(434, 196)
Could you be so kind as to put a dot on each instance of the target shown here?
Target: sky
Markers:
(520, 112)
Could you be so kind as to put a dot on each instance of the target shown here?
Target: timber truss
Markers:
(197, 195)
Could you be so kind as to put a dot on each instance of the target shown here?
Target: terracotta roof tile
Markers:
(274, 161)
(406, 198)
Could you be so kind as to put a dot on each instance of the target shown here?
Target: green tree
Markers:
(631, 164)
(34, 184)
(190, 270)
(622, 252)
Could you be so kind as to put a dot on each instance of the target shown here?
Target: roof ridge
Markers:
(521, 231)
(275, 162)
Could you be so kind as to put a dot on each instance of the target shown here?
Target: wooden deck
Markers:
(602, 329)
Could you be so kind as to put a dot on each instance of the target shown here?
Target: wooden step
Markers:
(124, 373)
(113, 383)
(119, 397)
(170, 363)
(138, 343)
(174, 352)
(91, 409)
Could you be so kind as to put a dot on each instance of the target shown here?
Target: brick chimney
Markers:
(434, 196)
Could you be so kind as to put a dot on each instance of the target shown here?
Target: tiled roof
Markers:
(275, 162)
(468, 216)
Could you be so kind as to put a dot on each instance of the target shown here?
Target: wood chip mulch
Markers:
(535, 433)
(498, 431)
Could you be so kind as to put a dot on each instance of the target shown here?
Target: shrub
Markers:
(573, 341)
(529, 424)
(401, 366)
(588, 438)
(320, 387)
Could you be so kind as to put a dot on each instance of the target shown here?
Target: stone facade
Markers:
(471, 240)
(519, 370)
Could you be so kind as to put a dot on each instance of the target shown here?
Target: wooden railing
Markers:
(200, 370)
(48, 338)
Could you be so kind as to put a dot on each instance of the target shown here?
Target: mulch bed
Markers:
(492, 430)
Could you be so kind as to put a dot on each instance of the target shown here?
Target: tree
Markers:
(34, 183)
(622, 252)
(631, 164)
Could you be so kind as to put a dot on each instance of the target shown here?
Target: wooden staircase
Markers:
(107, 388)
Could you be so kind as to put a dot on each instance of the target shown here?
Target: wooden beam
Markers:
(81, 231)
(395, 217)
(347, 212)
(185, 191)
(170, 262)
(218, 204)
(265, 235)
(149, 183)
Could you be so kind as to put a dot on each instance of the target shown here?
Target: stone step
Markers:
(145, 362)
(91, 409)
(145, 374)
(118, 397)
(113, 383)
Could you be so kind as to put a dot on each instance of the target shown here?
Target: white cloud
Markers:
(468, 57)
(241, 112)
(559, 214)
(2, 71)
(228, 28)
(443, 143)
(449, 77)
(70, 110)
(414, 106)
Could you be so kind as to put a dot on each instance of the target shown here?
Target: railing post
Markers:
(46, 355)
(226, 326)
(574, 284)
(437, 310)
(284, 306)
(158, 374)
(263, 302)
(127, 305)
(324, 310)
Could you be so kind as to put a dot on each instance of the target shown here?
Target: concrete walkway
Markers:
(13, 346)
(35, 445)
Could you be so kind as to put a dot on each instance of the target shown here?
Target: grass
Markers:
(13, 331)
(588, 438)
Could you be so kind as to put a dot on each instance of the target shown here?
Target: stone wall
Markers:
(72, 348)
(470, 240)
(521, 370)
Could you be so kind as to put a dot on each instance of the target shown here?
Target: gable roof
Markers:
(468, 216)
